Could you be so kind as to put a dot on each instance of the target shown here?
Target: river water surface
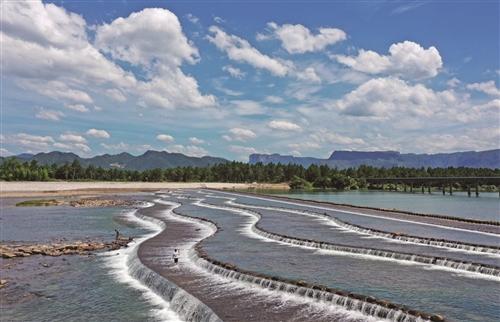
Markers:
(486, 207)
(71, 288)
(97, 288)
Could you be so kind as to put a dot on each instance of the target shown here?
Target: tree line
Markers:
(238, 172)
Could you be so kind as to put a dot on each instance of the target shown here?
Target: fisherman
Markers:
(117, 234)
(176, 255)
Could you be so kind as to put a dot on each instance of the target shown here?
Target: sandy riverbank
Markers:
(63, 188)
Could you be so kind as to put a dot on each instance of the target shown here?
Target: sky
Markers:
(231, 78)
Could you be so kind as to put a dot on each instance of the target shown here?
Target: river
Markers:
(486, 207)
(90, 288)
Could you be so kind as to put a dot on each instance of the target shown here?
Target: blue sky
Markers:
(233, 78)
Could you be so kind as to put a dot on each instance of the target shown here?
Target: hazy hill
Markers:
(148, 160)
(345, 159)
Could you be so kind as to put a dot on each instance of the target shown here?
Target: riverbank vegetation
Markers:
(321, 177)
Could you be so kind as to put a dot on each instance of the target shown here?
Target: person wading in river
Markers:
(176, 255)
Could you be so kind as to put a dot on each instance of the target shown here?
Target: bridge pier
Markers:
(445, 184)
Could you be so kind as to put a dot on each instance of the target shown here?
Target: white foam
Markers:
(367, 235)
(249, 226)
(255, 291)
(368, 215)
(117, 262)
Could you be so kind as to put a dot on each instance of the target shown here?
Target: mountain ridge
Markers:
(124, 160)
(341, 159)
(345, 159)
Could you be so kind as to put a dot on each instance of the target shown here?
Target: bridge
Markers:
(442, 182)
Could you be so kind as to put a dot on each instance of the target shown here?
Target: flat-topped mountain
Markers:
(124, 160)
(346, 159)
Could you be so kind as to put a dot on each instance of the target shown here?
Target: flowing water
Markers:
(86, 288)
(486, 207)
(260, 236)
(376, 222)
(319, 229)
(458, 296)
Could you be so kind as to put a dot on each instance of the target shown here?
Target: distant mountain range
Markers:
(339, 159)
(345, 159)
(148, 160)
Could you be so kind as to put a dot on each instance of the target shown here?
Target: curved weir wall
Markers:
(329, 203)
(398, 256)
(183, 303)
(349, 301)
(453, 245)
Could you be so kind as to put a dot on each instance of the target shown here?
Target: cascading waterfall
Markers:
(348, 301)
(453, 245)
(381, 309)
(420, 259)
(294, 200)
(480, 269)
(183, 303)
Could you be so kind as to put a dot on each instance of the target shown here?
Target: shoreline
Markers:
(66, 188)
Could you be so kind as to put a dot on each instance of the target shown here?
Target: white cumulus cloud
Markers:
(72, 147)
(29, 143)
(196, 141)
(72, 138)
(284, 126)
(100, 134)
(406, 59)
(298, 39)
(240, 134)
(488, 88)
(50, 115)
(389, 97)
(233, 71)
(66, 65)
(240, 50)
(134, 39)
(77, 107)
(165, 138)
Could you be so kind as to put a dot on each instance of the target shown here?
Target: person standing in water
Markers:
(176, 255)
